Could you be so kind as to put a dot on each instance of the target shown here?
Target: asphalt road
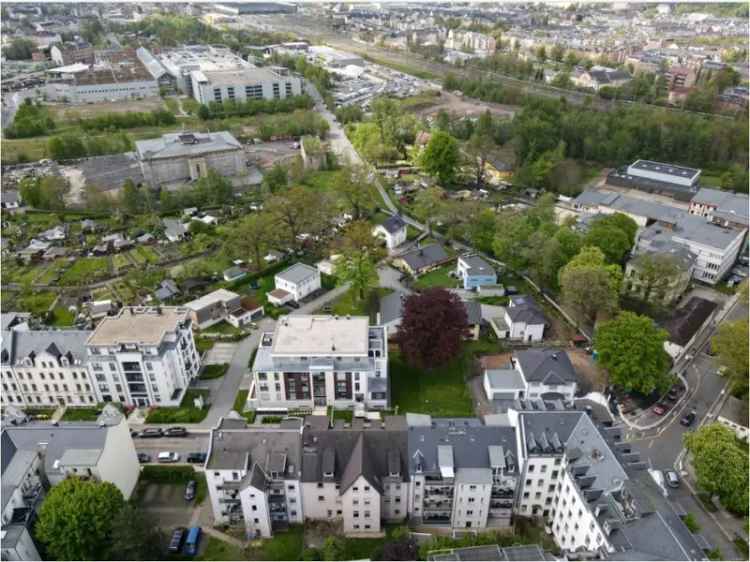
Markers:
(193, 443)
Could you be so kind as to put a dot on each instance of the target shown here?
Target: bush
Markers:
(230, 108)
(116, 121)
(167, 474)
(213, 371)
(272, 419)
(691, 523)
(185, 413)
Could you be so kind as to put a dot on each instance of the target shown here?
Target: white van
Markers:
(168, 456)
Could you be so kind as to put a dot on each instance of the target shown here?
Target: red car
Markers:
(660, 409)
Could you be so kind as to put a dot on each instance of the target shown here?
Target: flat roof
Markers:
(666, 169)
(238, 76)
(144, 326)
(308, 335)
(219, 295)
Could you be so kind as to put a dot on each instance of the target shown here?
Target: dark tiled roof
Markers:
(393, 224)
(551, 366)
(687, 320)
(427, 256)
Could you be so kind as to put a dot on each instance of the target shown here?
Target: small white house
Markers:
(521, 320)
(393, 231)
(294, 284)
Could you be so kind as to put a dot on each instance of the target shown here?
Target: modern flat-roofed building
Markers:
(249, 8)
(667, 173)
(311, 361)
(183, 157)
(144, 356)
(46, 368)
(180, 62)
(244, 84)
(222, 305)
(295, 283)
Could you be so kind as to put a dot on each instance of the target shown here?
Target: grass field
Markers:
(186, 412)
(37, 302)
(62, 317)
(440, 277)
(120, 261)
(81, 414)
(85, 270)
(51, 272)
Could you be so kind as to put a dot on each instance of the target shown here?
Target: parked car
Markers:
(176, 432)
(151, 432)
(168, 456)
(143, 457)
(292, 304)
(673, 394)
(190, 491)
(672, 479)
(660, 409)
(192, 541)
(197, 457)
(688, 420)
(175, 543)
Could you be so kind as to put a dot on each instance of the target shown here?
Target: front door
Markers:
(319, 389)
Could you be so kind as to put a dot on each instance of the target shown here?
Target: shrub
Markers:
(167, 474)
(272, 419)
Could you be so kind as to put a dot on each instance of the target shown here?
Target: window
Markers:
(543, 468)
(355, 514)
(531, 468)
(321, 498)
(528, 481)
(217, 94)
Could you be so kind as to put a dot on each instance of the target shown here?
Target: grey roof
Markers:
(663, 168)
(80, 457)
(473, 312)
(240, 449)
(469, 438)
(550, 366)
(298, 272)
(424, 257)
(474, 476)
(393, 224)
(679, 254)
(350, 453)
(477, 265)
(732, 206)
(391, 306)
(10, 196)
(234, 272)
(183, 145)
(505, 379)
(174, 227)
(524, 309)
(15, 466)
(491, 553)
(152, 64)
(11, 319)
(59, 439)
(18, 345)
(630, 205)
(687, 320)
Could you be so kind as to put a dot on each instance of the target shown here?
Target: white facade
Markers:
(667, 173)
(144, 356)
(392, 239)
(298, 285)
(96, 93)
(243, 84)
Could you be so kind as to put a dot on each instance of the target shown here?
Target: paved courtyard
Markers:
(220, 353)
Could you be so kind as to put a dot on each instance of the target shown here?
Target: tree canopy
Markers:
(433, 328)
(589, 285)
(613, 235)
(631, 348)
(721, 464)
(731, 344)
(76, 519)
(441, 157)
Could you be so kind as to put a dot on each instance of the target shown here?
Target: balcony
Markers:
(230, 485)
(230, 501)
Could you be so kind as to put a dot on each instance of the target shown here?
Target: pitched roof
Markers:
(426, 256)
(524, 309)
(686, 321)
(391, 306)
(181, 145)
(359, 464)
(393, 224)
(549, 366)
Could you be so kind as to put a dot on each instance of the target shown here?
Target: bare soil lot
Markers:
(465, 106)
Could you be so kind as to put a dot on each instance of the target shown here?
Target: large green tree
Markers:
(355, 191)
(656, 272)
(721, 464)
(441, 157)
(253, 238)
(299, 211)
(357, 267)
(428, 205)
(631, 348)
(731, 344)
(613, 235)
(76, 519)
(589, 285)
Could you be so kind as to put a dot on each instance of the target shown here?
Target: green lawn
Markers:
(213, 371)
(186, 412)
(286, 545)
(438, 278)
(224, 328)
(350, 303)
(440, 391)
(51, 272)
(217, 549)
(37, 302)
(81, 414)
(62, 317)
(239, 406)
(121, 260)
(147, 253)
(84, 271)
(203, 344)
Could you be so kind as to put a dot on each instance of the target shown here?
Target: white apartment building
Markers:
(46, 368)
(313, 361)
(144, 356)
(477, 43)
(295, 283)
(253, 476)
(244, 84)
(37, 456)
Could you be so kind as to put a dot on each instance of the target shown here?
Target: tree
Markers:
(441, 157)
(721, 464)
(482, 230)
(511, 234)
(401, 546)
(656, 272)
(132, 202)
(479, 149)
(356, 237)
(433, 328)
(276, 178)
(631, 348)
(357, 267)
(557, 53)
(299, 211)
(730, 343)
(355, 191)
(252, 238)
(19, 49)
(76, 519)
(427, 205)
(213, 188)
(541, 54)
(589, 285)
(334, 548)
(385, 112)
(614, 241)
(135, 535)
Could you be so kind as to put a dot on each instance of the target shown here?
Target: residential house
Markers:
(521, 320)
(393, 230)
(600, 76)
(667, 288)
(54, 234)
(10, 199)
(37, 456)
(15, 321)
(294, 284)
(222, 305)
(168, 289)
(423, 259)
(321, 361)
(533, 374)
(686, 323)
(174, 230)
(253, 476)
(144, 356)
(474, 272)
(97, 310)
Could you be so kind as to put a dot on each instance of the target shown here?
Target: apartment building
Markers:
(144, 356)
(46, 368)
(244, 84)
(472, 41)
(311, 361)
(37, 456)
(463, 471)
(253, 476)
(358, 474)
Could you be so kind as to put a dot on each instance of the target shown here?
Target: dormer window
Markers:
(328, 474)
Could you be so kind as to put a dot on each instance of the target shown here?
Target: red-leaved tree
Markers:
(433, 328)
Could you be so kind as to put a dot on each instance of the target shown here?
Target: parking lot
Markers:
(220, 353)
(193, 443)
